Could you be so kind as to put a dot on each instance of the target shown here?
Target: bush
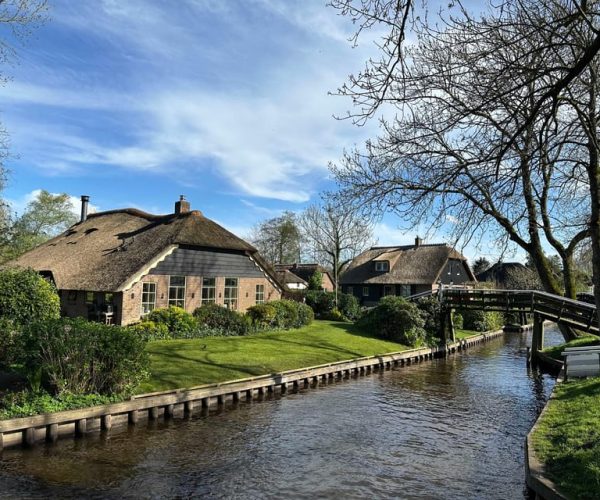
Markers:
(431, 311)
(80, 357)
(286, 315)
(215, 319)
(305, 315)
(149, 330)
(482, 321)
(349, 306)
(457, 320)
(334, 315)
(396, 319)
(315, 282)
(9, 342)
(262, 316)
(321, 302)
(26, 297)
(179, 322)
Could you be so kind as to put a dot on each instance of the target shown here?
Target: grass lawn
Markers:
(555, 351)
(567, 439)
(187, 363)
(460, 333)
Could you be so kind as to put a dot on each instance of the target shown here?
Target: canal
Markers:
(450, 428)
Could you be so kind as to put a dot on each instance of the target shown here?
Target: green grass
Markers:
(555, 352)
(461, 333)
(567, 438)
(187, 363)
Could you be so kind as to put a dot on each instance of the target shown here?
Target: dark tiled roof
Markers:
(106, 250)
(409, 265)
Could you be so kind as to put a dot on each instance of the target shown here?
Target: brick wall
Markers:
(132, 299)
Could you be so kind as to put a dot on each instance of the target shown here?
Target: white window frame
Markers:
(230, 294)
(176, 301)
(259, 295)
(148, 306)
(208, 288)
(382, 266)
(405, 290)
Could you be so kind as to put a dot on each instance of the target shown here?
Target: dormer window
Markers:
(382, 266)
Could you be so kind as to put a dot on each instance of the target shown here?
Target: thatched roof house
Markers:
(184, 258)
(404, 270)
(304, 273)
(291, 280)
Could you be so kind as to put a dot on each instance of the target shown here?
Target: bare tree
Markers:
(335, 234)
(478, 136)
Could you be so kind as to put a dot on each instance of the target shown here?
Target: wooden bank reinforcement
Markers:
(49, 427)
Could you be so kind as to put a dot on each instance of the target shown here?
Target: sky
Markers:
(226, 102)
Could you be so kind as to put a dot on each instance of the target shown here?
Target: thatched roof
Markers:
(499, 271)
(409, 265)
(304, 271)
(105, 251)
(287, 276)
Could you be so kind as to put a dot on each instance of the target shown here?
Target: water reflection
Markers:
(446, 429)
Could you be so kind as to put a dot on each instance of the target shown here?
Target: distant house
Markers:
(119, 265)
(304, 272)
(499, 273)
(404, 270)
(290, 280)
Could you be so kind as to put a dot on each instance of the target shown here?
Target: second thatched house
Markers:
(119, 265)
(404, 270)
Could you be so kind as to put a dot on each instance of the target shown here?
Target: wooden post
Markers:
(206, 402)
(1, 441)
(133, 417)
(29, 436)
(450, 326)
(153, 413)
(537, 339)
(106, 422)
(220, 400)
(249, 395)
(188, 408)
(80, 427)
(169, 411)
(236, 397)
(283, 388)
(52, 433)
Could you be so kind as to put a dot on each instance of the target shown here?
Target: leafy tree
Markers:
(481, 264)
(315, 282)
(45, 216)
(278, 239)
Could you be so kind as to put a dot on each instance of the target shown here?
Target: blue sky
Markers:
(136, 102)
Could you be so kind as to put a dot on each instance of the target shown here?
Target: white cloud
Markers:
(387, 235)
(20, 204)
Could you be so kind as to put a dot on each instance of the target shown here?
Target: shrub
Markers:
(321, 302)
(262, 315)
(482, 321)
(149, 330)
(315, 282)
(77, 356)
(9, 342)
(396, 319)
(457, 320)
(179, 322)
(349, 306)
(431, 311)
(286, 313)
(334, 315)
(305, 315)
(215, 319)
(26, 297)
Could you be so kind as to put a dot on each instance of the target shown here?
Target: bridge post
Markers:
(447, 326)
(537, 339)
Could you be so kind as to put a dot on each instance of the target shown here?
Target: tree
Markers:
(477, 138)
(17, 19)
(481, 264)
(315, 282)
(335, 234)
(278, 239)
(44, 217)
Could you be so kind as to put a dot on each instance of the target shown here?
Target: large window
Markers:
(148, 297)
(389, 290)
(230, 296)
(260, 294)
(405, 290)
(208, 290)
(177, 291)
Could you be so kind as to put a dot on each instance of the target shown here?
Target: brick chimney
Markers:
(418, 242)
(85, 200)
(182, 206)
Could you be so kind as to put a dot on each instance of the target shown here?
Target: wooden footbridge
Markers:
(543, 306)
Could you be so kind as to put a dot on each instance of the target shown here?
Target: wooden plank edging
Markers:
(27, 430)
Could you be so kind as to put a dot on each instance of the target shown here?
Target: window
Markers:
(177, 291)
(382, 265)
(230, 296)
(90, 297)
(208, 290)
(260, 294)
(148, 297)
(405, 290)
(388, 290)
(365, 291)
(349, 290)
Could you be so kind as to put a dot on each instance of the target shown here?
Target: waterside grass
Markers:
(567, 438)
(187, 363)
(587, 340)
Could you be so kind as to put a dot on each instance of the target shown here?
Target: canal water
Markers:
(450, 428)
